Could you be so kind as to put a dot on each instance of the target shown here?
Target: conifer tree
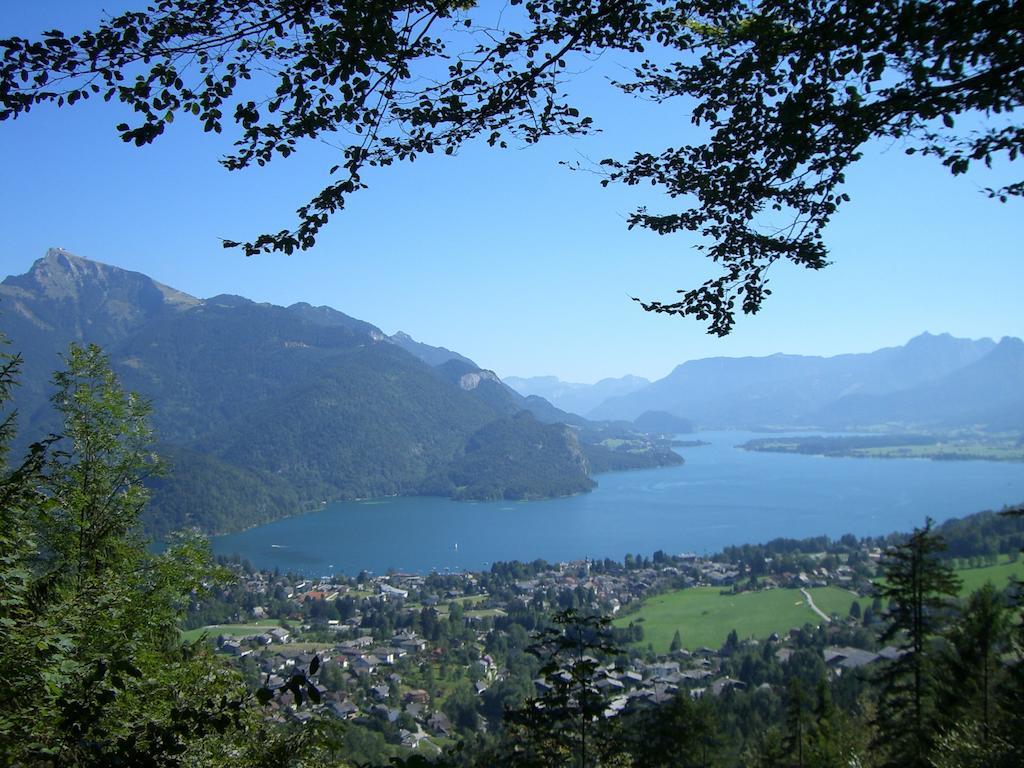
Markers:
(677, 642)
(971, 665)
(917, 586)
(1010, 690)
(680, 733)
(796, 722)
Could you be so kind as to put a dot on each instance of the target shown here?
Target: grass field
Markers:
(312, 647)
(988, 447)
(999, 575)
(704, 616)
(835, 600)
(962, 451)
(484, 613)
(234, 630)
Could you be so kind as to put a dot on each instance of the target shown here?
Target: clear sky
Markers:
(505, 256)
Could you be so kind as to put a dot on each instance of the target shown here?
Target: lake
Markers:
(720, 496)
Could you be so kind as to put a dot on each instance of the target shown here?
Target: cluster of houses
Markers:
(614, 590)
(373, 688)
(840, 659)
(364, 664)
(641, 684)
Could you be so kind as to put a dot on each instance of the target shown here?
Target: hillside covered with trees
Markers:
(267, 411)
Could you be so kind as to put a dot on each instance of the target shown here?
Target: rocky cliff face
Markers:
(472, 380)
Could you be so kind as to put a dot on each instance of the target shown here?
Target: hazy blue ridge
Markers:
(988, 393)
(579, 399)
(662, 422)
(787, 391)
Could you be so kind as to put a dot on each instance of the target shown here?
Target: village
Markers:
(424, 658)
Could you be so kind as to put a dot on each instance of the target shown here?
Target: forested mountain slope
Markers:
(264, 410)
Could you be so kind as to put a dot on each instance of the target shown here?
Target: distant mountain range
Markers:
(932, 382)
(265, 410)
(576, 398)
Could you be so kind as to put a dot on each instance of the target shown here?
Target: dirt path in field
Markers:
(816, 609)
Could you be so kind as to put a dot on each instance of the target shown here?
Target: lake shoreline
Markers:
(997, 448)
(722, 496)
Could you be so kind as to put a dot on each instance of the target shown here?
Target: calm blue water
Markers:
(720, 496)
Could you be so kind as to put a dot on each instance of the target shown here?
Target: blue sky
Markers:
(505, 256)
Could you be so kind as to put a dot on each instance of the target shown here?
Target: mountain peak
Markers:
(229, 300)
(86, 300)
(62, 258)
(62, 275)
(927, 337)
(1009, 347)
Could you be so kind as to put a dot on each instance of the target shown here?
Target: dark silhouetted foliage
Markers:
(788, 93)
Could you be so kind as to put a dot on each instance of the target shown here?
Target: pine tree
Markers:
(971, 665)
(796, 722)
(834, 738)
(917, 586)
(677, 642)
(1011, 690)
(680, 733)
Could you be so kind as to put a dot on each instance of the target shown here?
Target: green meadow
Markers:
(232, 630)
(834, 600)
(704, 616)
(999, 575)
